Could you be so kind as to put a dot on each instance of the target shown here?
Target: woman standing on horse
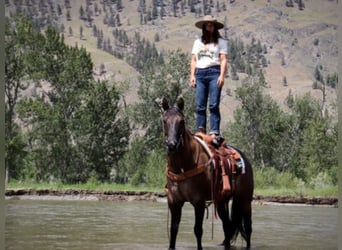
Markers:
(207, 73)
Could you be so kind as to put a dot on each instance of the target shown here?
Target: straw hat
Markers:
(209, 18)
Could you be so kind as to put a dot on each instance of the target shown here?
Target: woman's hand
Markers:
(220, 81)
(192, 81)
(223, 69)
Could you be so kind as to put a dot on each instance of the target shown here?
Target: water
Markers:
(142, 225)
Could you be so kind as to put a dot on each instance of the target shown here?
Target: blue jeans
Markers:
(206, 87)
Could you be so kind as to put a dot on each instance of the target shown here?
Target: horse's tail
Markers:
(241, 209)
(237, 223)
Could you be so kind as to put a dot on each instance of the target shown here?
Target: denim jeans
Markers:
(206, 87)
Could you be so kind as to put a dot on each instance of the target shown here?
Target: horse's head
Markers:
(173, 124)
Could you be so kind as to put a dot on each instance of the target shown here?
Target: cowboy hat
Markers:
(209, 18)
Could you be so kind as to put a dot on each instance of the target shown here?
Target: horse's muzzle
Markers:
(172, 145)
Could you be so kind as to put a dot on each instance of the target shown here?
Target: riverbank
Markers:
(75, 194)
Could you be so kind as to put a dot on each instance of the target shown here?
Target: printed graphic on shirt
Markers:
(206, 51)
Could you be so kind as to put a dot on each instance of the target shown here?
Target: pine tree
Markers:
(285, 82)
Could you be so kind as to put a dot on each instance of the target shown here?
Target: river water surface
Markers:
(139, 225)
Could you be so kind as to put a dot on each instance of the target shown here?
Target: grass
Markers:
(85, 186)
(327, 191)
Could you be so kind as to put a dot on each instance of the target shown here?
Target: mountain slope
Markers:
(297, 40)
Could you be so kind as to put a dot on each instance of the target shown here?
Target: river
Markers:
(96, 225)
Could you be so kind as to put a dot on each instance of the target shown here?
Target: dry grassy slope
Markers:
(269, 21)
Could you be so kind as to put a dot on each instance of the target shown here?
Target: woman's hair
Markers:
(207, 37)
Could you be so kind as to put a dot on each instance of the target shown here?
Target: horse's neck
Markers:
(187, 157)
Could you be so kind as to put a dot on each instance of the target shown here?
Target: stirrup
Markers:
(217, 141)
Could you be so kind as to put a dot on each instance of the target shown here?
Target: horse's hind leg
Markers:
(176, 214)
(198, 228)
(223, 213)
(247, 222)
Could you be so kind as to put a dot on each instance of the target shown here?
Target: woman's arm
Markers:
(223, 70)
(192, 71)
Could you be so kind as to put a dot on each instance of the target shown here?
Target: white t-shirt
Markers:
(208, 55)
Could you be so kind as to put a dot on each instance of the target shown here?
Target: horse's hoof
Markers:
(225, 245)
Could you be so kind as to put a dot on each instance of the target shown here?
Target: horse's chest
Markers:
(194, 189)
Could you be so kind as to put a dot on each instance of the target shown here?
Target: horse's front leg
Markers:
(176, 214)
(198, 228)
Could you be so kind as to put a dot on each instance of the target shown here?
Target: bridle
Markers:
(179, 141)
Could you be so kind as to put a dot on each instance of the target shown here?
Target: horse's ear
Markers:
(165, 104)
(180, 103)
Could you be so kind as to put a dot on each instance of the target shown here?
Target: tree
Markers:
(81, 32)
(259, 123)
(169, 79)
(67, 71)
(301, 5)
(61, 138)
(22, 48)
(319, 149)
(304, 110)
(81, 12)
(332, 80)
(102, 143)
(68, 16)
(318, 75)
(285, 84)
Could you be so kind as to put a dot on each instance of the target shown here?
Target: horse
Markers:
(190, 179)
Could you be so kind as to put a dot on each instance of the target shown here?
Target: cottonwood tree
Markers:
(169, 80)
(74, 128)
(22, 47)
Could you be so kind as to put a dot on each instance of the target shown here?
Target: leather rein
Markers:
(191, 172)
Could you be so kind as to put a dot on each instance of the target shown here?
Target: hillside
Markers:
(288, 33)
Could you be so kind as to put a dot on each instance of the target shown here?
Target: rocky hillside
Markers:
(297, 39)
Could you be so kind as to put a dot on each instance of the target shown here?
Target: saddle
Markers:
(228, 163)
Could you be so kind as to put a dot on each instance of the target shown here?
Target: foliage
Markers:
(102, 143)
(143, 163)
(21, 50)
(155, 168)
(321, 181)
(271, 178)
(61, 138)
(301, 142)
(131, 163)
(76, 130)
(249, 59)
(169, 80)
(258, 124)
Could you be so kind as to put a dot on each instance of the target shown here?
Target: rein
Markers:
(187, 174)
(193, 172)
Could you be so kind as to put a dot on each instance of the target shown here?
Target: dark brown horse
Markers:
(189, 179)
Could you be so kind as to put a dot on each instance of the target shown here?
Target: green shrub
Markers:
(264, 177)
(320, 181)
(286, 180)
(270, 177)
(155, 169)
(93, 178)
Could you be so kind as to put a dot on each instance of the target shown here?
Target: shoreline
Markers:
(90, 195)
